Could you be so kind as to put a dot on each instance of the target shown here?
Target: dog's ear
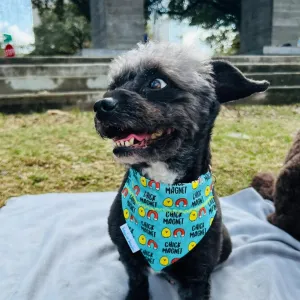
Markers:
(232, 85)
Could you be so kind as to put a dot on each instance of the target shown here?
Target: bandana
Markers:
(166, 221)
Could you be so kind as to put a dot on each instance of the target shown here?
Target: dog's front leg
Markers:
(195, 289)
(138, 279)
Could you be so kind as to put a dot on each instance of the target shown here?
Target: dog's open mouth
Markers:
(140, 140)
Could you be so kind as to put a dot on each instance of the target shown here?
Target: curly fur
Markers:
(189, 104)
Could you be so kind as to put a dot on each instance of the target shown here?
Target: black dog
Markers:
(168, 92)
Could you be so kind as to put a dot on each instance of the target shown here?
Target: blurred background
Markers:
(54, 59)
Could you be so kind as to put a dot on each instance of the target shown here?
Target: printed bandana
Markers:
(166, 221)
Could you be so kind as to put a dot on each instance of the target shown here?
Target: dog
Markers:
(159, 110)
(284, 191)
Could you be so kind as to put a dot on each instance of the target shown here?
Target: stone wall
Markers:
(256, 27)
(286, 22)
(117, 24)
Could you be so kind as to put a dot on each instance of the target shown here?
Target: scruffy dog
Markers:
(160, 110)
(284, 191)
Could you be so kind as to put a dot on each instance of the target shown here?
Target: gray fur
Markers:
(188, 67)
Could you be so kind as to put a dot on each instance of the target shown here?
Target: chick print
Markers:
(141, 211)
(143, 181)
(164, 261)
(126, 213)
(166, 232)
(142, 239)
(192, 245)
(195, 184)
(211, 220)
(207, 191)
(193, 216)
(168, 202)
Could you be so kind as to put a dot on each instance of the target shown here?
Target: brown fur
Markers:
(286, 192)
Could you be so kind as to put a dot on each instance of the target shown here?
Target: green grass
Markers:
(43, 153)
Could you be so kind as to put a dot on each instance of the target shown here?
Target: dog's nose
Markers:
(105, 105)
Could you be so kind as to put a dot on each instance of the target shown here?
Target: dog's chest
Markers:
(160, 172)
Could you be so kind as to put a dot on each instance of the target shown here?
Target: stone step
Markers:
(54, 70)
(97, 69)
(277, 78)
(275, 95)
(40, 101)
(106, 59)
(85, 100)
(32, 60)
(268, 67)
(254, 59)
(34, 84)
(101, 69)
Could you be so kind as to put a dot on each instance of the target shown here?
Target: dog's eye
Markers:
(157, 84)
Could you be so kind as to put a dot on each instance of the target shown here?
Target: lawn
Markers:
(42, 153)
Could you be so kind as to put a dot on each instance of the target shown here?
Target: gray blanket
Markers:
(56, 247)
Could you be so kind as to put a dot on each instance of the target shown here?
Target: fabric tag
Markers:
(129, 238)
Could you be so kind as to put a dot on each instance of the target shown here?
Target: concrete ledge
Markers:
(42, 101)
(271, 50)
(107, 53)
(50, 70)
(34, 84)
(268, 67)
(273, 96)
(33, 60)
(277, 78)
(29, 60)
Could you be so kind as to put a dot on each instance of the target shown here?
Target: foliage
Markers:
(224, 41)
(82, 6)
(210, 14)
(61, 35)
(221, 17)
(41, 153)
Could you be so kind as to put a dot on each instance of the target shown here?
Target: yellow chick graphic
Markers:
(192, 245)
(141, 211)
(207, 191)
(142, 239)
(195, 184)
(166, 232)
(126, 213)
(143, 181)
(193, 216)
(164, 261)
(168, 202)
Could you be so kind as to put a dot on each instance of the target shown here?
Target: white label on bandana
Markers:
(129, 238)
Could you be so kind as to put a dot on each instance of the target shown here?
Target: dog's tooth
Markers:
(159, 133)
(126, 144)
(153, 136)
(131, 141)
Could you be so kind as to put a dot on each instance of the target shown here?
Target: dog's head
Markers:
(163, 99)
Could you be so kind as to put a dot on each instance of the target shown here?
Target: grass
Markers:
(41, 153)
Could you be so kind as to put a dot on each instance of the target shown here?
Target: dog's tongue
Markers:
(139, 137)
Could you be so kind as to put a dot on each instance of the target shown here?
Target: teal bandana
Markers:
(166, 221)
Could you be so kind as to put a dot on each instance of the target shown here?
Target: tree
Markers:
(61, 36)
(58, 6)
(210, 14)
